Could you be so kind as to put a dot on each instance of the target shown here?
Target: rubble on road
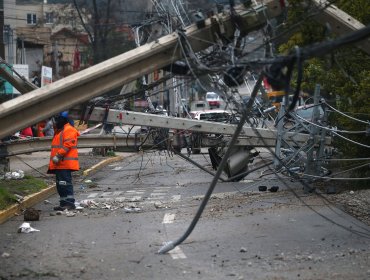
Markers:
(356, 203)
(31, 214)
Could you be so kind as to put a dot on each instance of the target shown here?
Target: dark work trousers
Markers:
(64, 187)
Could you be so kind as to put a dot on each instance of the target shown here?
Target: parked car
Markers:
(211, 115)
(213, 100)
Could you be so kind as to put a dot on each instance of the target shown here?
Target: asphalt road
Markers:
(242, 234)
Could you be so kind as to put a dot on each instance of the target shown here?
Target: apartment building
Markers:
(38, 33)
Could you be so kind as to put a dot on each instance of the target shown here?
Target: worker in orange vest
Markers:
(26, 132)
(40, 129)
(64, 160)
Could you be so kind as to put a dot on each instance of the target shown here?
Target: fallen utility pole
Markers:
(266, 135)
(340, 22)
(87, 141)
(22, 85)
(80, 87)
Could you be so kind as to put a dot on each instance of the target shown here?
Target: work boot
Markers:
(66, 207)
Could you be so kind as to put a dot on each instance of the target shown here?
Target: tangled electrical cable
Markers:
(279, 75)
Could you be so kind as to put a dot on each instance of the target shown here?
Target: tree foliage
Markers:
(344, 74)
(105, 28)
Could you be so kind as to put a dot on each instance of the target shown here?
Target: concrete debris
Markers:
(280, 257)
(88, 184)
(243, 250)
(71, 214)
(159, 205)
(26, 228)
(47, 201)
(110, 205)
(355, 203)
(14, 175)
(5, 255)
(31, 214)
(106, 206)
(87, 203)
(19, 198)
(78, 206)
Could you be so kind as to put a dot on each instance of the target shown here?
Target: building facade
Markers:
(38, 33)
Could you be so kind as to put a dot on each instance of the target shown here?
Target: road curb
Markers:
(101, 164)
(27, 202)
(36, 198)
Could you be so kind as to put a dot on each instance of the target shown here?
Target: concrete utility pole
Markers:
(122, 69)
(2, 46)
(56, 59)
(22, 85)
(23, 53)
(340, 22)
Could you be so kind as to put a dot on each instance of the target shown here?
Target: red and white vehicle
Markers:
(213, 100)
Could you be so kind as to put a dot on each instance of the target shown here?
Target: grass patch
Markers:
(111, 153)
(26, 186)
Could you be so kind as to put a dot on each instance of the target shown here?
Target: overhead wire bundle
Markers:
(279, 74)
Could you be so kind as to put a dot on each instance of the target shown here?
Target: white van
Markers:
(211, 115)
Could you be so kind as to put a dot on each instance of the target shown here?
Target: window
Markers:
(49, 18)
(31, 19)
(215, 117)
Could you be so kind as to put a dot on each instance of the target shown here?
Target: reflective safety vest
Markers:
(40, 128)
(64, 145)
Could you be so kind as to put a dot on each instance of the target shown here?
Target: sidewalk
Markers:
(37, 163)
(29, 162)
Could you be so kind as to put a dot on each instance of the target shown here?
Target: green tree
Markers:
(344, 74)
(104, 28)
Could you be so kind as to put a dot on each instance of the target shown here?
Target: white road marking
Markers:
(92, 195)
(138, 192)
(117, 168)
(168, 218)
(106, 194)
(156, 194)
(117, 193)
(161, 188)
(177, 253)
(246, 181)
(156, 198)
(134, 198)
